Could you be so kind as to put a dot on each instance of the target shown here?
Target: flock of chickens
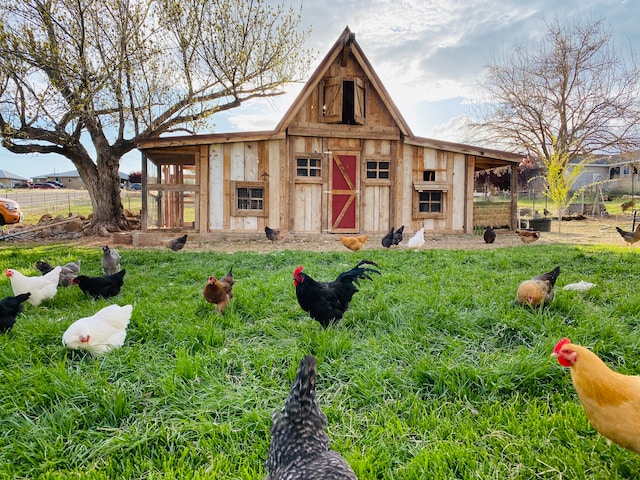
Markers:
(300, 446)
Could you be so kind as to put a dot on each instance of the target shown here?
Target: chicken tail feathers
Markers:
(550, 277)
(358, 272)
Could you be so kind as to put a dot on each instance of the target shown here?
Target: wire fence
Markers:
(36, 202)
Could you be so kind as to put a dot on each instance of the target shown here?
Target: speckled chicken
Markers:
(177, 244)
(68, 271)
(219, 292)
(110, 260)
(299, 448)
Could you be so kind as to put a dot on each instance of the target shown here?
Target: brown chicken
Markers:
(219, 292)
(539, 290)
(610, 400)
(630, 237)
(528, 236)
(354, 243)
(627, 205)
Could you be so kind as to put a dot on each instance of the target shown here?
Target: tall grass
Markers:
(433, 372)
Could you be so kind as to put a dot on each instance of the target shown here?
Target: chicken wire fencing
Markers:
(36, 202)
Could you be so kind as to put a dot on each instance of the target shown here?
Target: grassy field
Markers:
(433, 372)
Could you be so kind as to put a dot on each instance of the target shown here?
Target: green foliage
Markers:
(433, 372)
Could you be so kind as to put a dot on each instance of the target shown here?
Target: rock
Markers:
(74, 226)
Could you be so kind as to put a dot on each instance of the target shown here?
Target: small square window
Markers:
(378, 170)
(308, 167)
(430, 202)
(250, 198)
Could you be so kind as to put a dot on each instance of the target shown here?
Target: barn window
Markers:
(249, 198)
(308, 167)
(429, 176)
(430, 202)
(344, 101)
(377, 170)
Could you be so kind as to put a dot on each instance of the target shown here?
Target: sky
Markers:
(429, 54)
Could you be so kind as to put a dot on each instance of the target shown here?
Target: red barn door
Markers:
(344, 193)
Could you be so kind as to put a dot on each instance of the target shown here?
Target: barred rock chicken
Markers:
(10, 307)
(68, 272)
(539, 290)
(219, 292)
(354, 243)
(177, 244)
(299, 448)
(630, 237)
(101, 287)
(272, 234)
(41, 288)
(489, 235)
(326, 302)
(100, 333)
(110, 260)
(528, 236)
(610, 400)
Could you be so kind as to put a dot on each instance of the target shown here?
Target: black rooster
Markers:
(326, 302)
(10, 307)
(393, 237)
(105, 287)
(299, 447)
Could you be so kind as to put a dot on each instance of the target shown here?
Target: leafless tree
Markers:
(565, 98)
(87, 79)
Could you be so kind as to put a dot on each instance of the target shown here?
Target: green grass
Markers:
(433, 372)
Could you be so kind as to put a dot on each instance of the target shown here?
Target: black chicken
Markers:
(387, 240)
(326, 302)
(177, 244)
(272, 234)
(489, 235)
(10, 307)
(397, 235)
(105, 287)
(299, 448)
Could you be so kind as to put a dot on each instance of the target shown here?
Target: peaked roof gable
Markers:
(346, 43)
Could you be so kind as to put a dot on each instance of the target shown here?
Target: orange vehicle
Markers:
(9, 212)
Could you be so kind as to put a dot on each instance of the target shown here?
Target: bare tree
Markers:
(567, 97)
(87, 79)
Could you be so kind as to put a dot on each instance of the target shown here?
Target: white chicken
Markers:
(417, 240)
(41, 288)
(100, 333)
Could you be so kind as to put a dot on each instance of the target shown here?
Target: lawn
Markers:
(433, 372)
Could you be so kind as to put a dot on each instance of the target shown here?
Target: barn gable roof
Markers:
(345, 44)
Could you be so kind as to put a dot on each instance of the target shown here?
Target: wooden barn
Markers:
(341, 161)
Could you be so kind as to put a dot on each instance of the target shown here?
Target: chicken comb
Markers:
(297, 270)
(560, 344)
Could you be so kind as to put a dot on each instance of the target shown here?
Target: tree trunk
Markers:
(102, 180)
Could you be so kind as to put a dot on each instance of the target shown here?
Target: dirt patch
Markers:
(590, 231)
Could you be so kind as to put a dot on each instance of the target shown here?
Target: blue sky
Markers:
(430, 55)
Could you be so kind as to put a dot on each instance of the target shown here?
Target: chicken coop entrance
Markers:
(344, 193)
(172, 192)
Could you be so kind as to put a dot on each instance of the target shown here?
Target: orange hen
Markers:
(611, 400)
(354, 243)
(219, 292)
